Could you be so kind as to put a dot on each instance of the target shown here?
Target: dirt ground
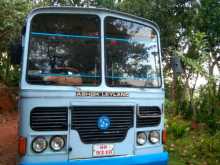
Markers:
(8, 138)
(8, 124)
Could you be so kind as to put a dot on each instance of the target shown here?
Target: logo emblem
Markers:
(103, 122)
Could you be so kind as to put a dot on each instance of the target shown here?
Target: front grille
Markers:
(49, 119)
(84, 120)
(148, 117)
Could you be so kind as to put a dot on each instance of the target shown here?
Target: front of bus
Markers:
(91, 89)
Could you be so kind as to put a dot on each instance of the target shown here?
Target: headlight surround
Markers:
(154, 137)
(141, 138)
(39, 144)
(57, 143)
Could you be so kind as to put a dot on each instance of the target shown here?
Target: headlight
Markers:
(57, 143)
(154, 137)
(141, 138)
(39, 144)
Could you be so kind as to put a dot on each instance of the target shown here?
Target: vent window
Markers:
(49, 119)
(148, 116)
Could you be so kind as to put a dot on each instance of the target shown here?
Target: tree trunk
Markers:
(174, 87)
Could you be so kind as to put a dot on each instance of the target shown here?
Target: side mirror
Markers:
(15, 52)
(16, 48)
(176, 65)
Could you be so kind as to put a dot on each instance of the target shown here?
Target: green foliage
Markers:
(210, 144)
(209, 21)
(197, 53)
(177, 127)
(170, 106)
(194, 146)
(12, 14)
(9, 74)
(110, 4)
(209, 109)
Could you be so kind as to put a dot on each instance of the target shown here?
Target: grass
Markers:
(187, 146)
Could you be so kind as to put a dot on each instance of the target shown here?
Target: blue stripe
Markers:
(65, 35)
(93, 76)
(147, 159)
(86, 37)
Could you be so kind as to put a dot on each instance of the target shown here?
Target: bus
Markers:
(91, 89)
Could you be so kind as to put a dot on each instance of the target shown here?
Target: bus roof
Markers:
(105, 10)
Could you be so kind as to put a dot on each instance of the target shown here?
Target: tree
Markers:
(12, 14)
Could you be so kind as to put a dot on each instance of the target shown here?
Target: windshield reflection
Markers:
(64, 49)
(132, 54)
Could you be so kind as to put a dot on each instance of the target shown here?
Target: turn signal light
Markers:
(164, 136)
(22, 143)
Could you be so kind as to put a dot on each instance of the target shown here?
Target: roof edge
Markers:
(95, 9)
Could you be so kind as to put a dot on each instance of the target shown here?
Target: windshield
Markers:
(132, 54)
(64, 49)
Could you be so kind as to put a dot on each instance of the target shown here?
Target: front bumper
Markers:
(151, 159)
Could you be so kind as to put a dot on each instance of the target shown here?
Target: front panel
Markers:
(91, 86)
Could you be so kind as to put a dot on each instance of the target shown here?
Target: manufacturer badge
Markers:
(103, 122)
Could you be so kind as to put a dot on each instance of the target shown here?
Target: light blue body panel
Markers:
(126, 152)
(150, 159)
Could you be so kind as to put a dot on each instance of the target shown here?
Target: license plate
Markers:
(103, 150)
